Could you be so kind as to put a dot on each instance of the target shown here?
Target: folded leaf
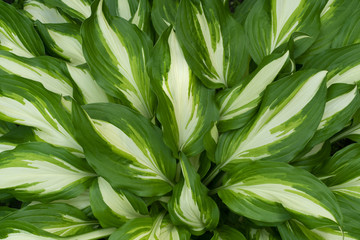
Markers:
(186, 108)
(189, 205)
(205, 27)
(238, 104)
(272, 192)
(79, 9)
(227, 233)
(311, 158)
(116, 52)
(290, 112)
(113, 208)
(17, 33)
(278, 20)
(163, 14)
(56, 218)
(38, 10)
(125, 148)
(25, 172)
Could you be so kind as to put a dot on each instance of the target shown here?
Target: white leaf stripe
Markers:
(348, 76)
(79, 6)
(13, 43)
(43, 13)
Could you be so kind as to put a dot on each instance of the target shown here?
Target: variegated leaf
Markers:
(310, 158)
(149, 229)
(261, 234)
(78, 9)
(278, 20)
(273, 192)
(5, 127)
(116, 52)
(63, 40)
(290, 112)
(40, 171)
(163, 14)
(135, 11)
(17, 33)
(227, 233)
(113, 208)
(186, 108)
(28, 103)
(38, 10)
(56, 218)
(238, 104)
(342, 172)
(15, 137)
(219, 41)
(125, 148)
(189, 205)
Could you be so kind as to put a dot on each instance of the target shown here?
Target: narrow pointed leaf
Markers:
(116, 52)
(24, 231)
(186, 108)
(163, 14)
(38, 10)
(17, 33)
(238, 104)
(256, 191)
(219, 41)
(278, 20)
(113, 208)
(59, 219)
(125, 148)
(25, 172)
(189, 205)
(227, 233)
(289, 114)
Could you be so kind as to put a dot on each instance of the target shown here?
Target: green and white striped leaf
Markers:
(63, 40)
(278, 20)
(163, 14)
(342, 172)
(125, 148)
(28, 103)
(238, 104)
(256, 191)
(15, 137)
(149, 229)
(186, 108)
(290, 112)
(43, 172)
(261, 234)
(339, 26)
(78, 9)
(227, 233)
(308, 159)
(17, 33)
(205, 27)
(113, 208)
(135, 11)
(343, 64)
(50, 72)
(38, 10)
(189, 205)
(116, 52)
(56, 218)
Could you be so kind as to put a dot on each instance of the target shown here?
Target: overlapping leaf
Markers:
(163, 14)
(39, 10)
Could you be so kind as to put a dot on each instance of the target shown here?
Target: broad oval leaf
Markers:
(186, 108)
(125, 148)
(113, 208)
(238, 104)
(189, 205)
(39, 171)
(272, 192)
(288, 117)
(205, 27)
(116, 52)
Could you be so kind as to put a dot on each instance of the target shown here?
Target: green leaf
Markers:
(6, 127)
(39, 171)
(38, 10)
(261, 234)
(17, 33)
(114, 208)
(227, 233)
(186, 108)
(116, 52)
(149, 229)
(239, 103)
(309, 159)
(78, 9)
(125, 148)
(28, 103)
(59, 219)
(273, 192)
(189, 205)
(163, 14)
(205, 27)
(278, 20)
(290, 112)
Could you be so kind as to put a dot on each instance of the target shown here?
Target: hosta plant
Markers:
(179, 119)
